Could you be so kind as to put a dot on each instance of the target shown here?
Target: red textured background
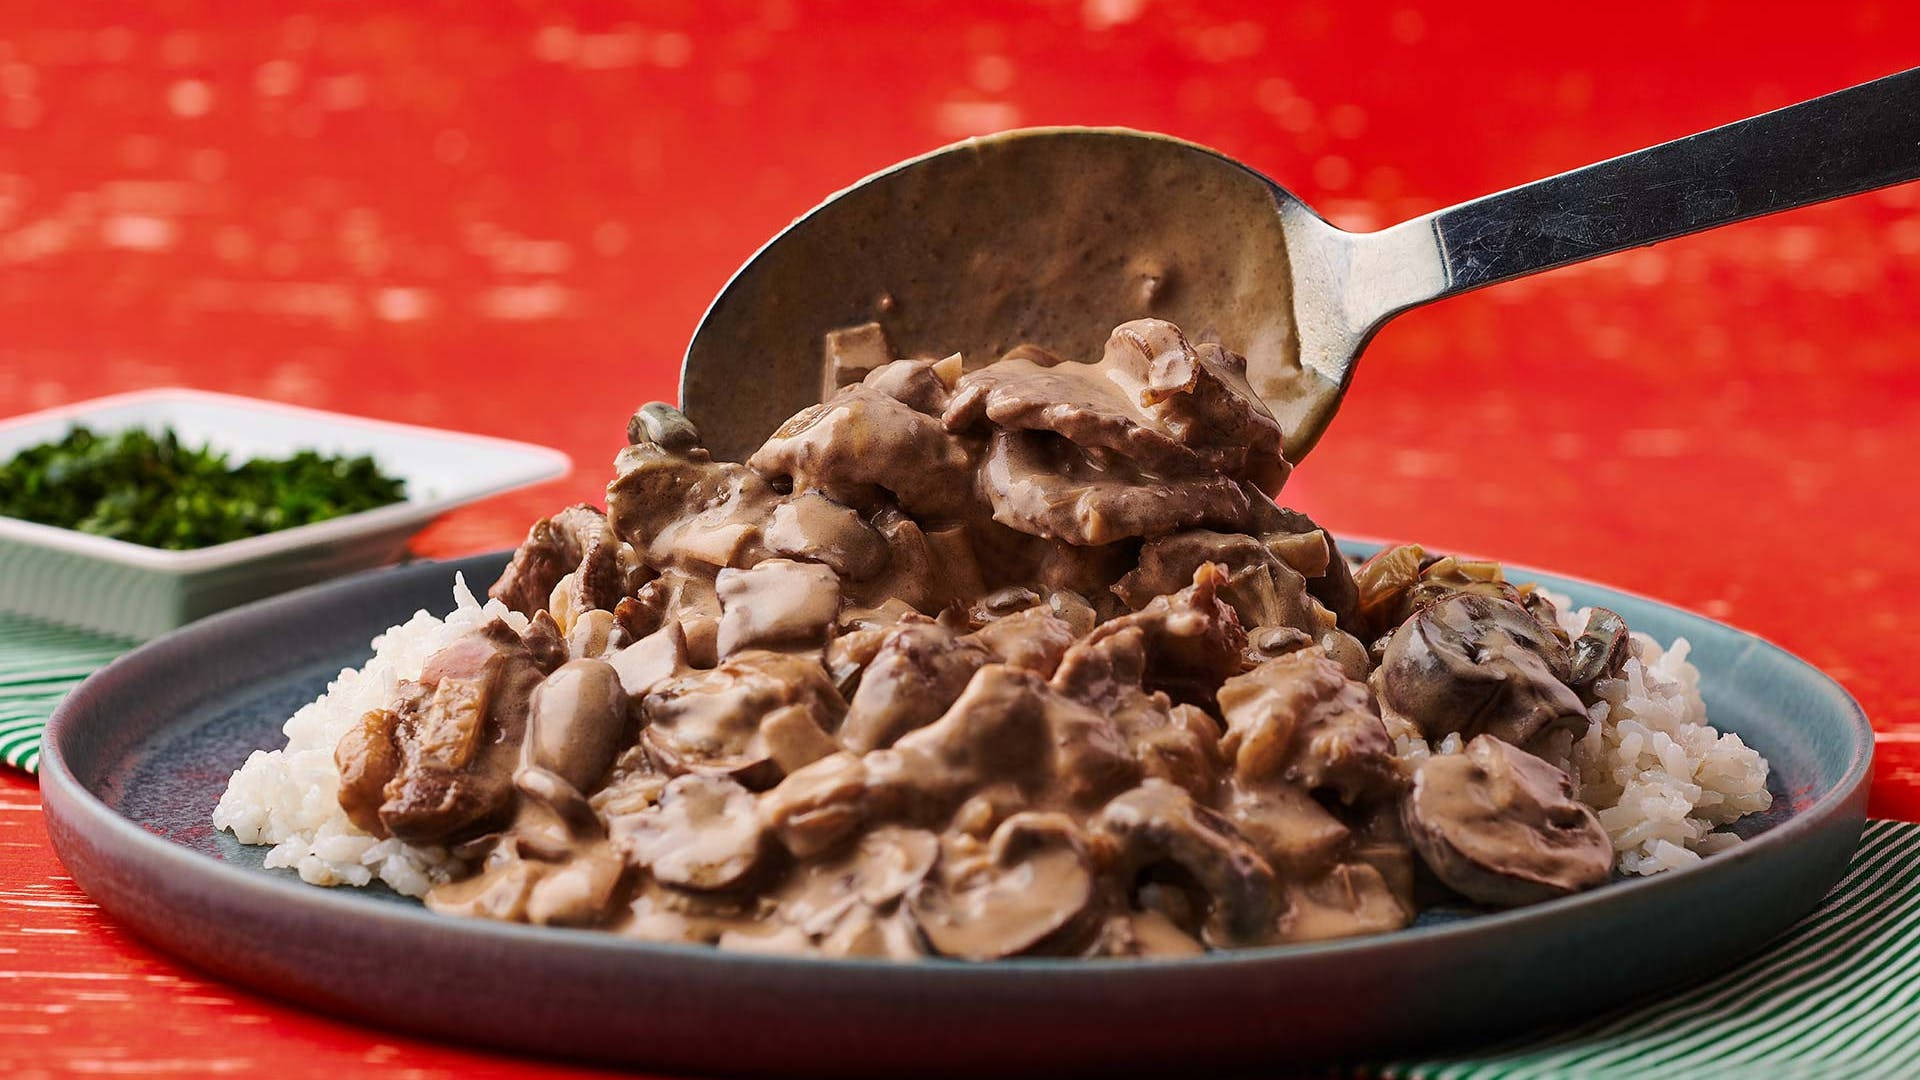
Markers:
(507, 219)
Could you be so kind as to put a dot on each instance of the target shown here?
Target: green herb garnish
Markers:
(150, 489)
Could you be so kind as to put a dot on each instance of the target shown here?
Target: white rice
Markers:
(1660, 777)
(290, 797)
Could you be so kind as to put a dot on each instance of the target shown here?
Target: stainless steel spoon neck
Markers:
(1850, 141)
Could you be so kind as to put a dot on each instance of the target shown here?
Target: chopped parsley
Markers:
(151, 489)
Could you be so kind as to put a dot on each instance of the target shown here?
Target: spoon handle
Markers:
(1857, 139)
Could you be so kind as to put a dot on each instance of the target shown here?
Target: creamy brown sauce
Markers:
(1016, 661)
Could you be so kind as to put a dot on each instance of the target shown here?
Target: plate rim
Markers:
(107, 829)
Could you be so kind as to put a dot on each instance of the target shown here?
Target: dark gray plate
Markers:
(138, 755)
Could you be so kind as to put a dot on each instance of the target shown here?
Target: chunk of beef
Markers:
(928, 570)
(1262, 589)
(1034, 639)
(925, 386)
(1313, 552)
(1299, 718)
(862, 442)
(1043, 485)
(1193, 640)
(682, 509)
(1152, 399)
(813, 527)
(1177, 743)
(456, 733)
(918, 670)
(557, 546)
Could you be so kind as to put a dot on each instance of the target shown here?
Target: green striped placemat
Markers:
(1838, 995)
(39, 663)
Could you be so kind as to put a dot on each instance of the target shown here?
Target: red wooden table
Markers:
(509, 220)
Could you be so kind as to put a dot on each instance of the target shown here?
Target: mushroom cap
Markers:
(1503, 827)
(1472, 663)
(703, 835)
(577, 722)
(1032, 884)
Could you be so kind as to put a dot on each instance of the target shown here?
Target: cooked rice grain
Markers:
(289, 797)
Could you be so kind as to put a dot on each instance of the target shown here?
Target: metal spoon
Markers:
(1054, 235)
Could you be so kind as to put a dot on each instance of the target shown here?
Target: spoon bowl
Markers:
(1051, 236)
(1063, 232)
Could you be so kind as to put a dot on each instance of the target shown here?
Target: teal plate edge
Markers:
(138, 754)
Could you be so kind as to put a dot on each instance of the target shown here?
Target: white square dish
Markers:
(140, 592)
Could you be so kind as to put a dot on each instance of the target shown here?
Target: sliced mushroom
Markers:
(778, 603)
(579, 891)
(1503, 827)
(867, 877)
(1031, 887)
(1158, 822)
(704, 835)
(1347, 651)
(1349, 899)
(712, 721)
(1471, 664)
(818, 805)
(1148, 933)
(553, 816)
